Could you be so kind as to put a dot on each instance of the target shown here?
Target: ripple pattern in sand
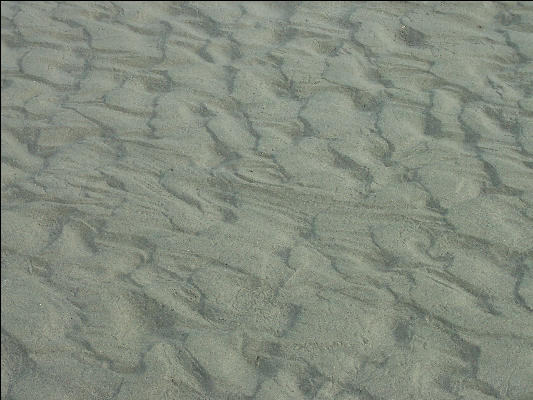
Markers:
(252, 200)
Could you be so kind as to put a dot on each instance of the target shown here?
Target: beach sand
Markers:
(251, 200)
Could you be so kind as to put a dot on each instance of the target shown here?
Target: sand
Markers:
(253, 200)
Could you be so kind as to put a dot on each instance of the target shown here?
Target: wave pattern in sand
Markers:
(267, 200)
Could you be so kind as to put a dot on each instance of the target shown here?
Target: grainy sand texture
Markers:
(267, 201)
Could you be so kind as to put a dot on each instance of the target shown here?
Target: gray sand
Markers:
(267, 201)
